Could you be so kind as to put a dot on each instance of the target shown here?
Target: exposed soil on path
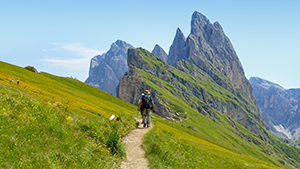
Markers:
(134, 149)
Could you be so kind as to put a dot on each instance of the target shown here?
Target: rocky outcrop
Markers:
(106, 69)
(280, 107)
(210, 49)
(31, 68)
(160, 52)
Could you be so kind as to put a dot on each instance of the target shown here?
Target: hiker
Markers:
(18, 81)
(145, 106)
(141, 110)
(12, 80)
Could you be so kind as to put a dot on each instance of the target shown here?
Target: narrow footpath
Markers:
(134, 149)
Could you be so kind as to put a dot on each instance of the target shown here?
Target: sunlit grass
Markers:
(168, 147)
(54, 122)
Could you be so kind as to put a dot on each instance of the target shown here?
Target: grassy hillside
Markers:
(55, 122)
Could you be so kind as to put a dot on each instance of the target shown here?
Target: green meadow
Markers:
(58, 122)
(54, 122)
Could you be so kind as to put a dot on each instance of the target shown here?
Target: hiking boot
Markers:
(144, 125)
(148, 126)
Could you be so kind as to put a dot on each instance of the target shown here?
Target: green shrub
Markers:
(115, 145)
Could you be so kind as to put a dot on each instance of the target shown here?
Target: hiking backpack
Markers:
(146, 102)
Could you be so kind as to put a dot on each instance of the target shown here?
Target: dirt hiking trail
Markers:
(134, 149)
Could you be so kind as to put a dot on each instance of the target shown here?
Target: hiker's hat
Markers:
(147, 92)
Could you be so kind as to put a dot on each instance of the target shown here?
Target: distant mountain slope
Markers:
(106, 69)
(279, 107)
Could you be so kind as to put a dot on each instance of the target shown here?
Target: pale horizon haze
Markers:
(61, 37)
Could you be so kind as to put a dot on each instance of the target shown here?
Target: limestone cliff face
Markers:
(280, 107)
(210, 49)
(106, 69)
(191, 86)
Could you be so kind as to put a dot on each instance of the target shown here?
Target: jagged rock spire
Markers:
(160, 52)
(176, 51)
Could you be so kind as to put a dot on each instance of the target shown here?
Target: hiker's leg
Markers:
(145, 120)
(148, 117)
(144, 117)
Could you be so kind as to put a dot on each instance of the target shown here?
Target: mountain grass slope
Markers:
(55, 122)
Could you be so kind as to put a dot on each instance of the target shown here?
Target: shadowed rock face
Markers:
(210, 49)
(106, 69)
(280, 107)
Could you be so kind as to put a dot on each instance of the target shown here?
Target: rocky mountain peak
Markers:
(198, 22)
(160, 52)
(106, 69)
(218, 26)
(210, 49)
(121, 45)
(176, 52)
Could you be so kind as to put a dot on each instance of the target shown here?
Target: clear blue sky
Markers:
(60, 37)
